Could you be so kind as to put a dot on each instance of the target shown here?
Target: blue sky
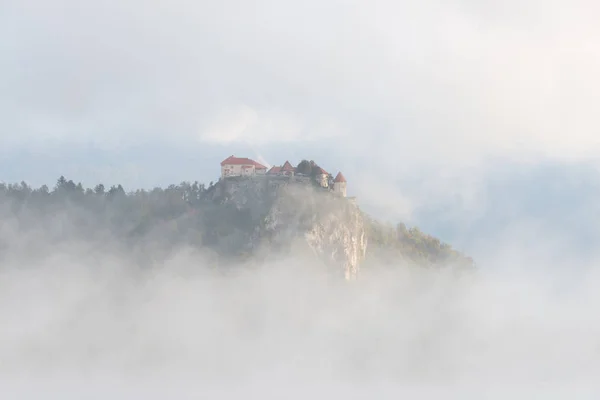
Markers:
(475, 120)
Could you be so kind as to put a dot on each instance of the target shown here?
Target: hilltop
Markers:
(278, 213)
(387, 243)
(238, 219)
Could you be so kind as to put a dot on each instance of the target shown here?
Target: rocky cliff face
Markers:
(282, 211)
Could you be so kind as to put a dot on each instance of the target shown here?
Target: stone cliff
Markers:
(279, 212)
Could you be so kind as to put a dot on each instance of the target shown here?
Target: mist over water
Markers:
(77, 326)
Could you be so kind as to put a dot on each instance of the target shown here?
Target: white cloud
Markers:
(245, 124)
(450, 81)
(232, 126)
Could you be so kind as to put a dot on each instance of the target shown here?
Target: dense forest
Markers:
(154, 223)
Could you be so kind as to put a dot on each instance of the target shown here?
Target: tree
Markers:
(116, 191)
(304, 167)
(183, 212)
(60, 183)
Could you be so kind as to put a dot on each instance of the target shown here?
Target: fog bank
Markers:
(97, 326)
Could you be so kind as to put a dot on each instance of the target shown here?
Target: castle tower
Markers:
(321, 177)
(339, 184)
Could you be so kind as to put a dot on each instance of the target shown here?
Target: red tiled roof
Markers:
(274, 170)
(231, 160)
(288, 167)
(322, 171)
(339, 178)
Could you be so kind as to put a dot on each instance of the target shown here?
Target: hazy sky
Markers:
(419, 103)
(475, 119)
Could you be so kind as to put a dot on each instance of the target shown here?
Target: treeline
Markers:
(149, 222)
(68, 189)
(411, 245)
(162, 219)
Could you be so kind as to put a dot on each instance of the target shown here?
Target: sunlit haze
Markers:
(475, 121)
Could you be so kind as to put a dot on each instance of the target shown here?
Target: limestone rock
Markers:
(284, 210)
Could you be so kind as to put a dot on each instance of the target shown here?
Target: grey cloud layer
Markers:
(97, 325)
(480, 77)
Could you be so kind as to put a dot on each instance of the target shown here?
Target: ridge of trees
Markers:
(183, 214)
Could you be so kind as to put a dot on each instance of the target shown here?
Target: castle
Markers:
(236, 166)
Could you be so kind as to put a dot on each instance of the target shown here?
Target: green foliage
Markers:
(304, 168)
(412, 245)
(312, 169)
(309, 168)
(183, 214)
(125, 215)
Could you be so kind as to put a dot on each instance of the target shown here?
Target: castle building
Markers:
(235, 166)
(340, 185)
(286, 169)
(322, 177)
(275, 170)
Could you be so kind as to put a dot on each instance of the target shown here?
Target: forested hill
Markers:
(154, 223)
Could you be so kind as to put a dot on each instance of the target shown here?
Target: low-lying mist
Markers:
(105, 295)
(95, 326)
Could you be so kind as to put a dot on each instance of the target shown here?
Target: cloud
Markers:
(247, 125)
(417, 104)
(449, 81)
(77, 321)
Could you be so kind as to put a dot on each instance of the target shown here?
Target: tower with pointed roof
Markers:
(339, 185)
